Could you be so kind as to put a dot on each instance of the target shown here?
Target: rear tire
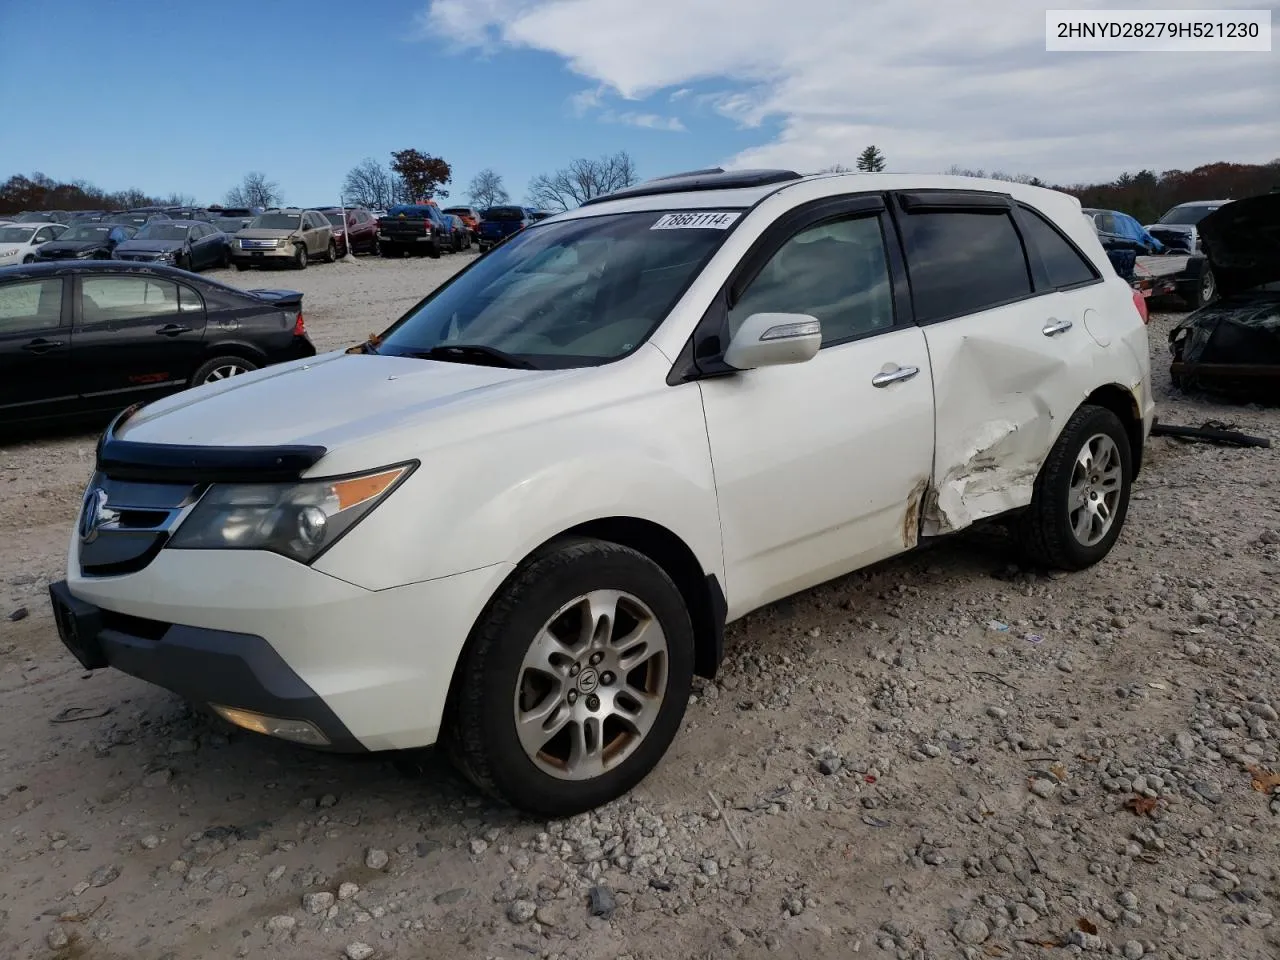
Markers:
(434, 250)
(221, 368)
(1081, 497)
(331, 252)
(1203, 289)
(242, 267)
(542, 652)
(388, 251)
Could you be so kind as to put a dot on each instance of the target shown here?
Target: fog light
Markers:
(299, 731)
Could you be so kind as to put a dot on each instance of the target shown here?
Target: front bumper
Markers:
(258, 255)
(253, 630)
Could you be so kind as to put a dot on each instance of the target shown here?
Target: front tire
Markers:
(300, 257)
(29, 258)
(1081, 497)
(574, 681)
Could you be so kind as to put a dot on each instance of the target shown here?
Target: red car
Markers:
(360, 226)
(469, 216)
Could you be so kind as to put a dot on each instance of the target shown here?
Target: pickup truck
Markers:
(498, 223)
(414, 228)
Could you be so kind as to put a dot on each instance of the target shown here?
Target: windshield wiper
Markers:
(476, 353)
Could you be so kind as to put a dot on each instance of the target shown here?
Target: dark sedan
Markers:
(82, 338)
(186, 244)
(86, 241)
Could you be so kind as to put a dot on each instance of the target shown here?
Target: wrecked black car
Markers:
(1232, 345)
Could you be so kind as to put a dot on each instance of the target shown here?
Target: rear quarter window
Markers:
(1066, 266)
(962, 262)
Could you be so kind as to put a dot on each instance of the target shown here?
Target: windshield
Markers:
(229, 224)
(88, 231)
(458, 211)
(161, 230)
(277, 221)
(34, 218)
(16, 234)
(128, 219)
(569, 294)
(504, 213)
(1187, 215)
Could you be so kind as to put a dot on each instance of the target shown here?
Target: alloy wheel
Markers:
(225, 371)
(591, 685)
(1097, 479)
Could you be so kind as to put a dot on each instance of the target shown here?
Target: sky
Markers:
(187, 97)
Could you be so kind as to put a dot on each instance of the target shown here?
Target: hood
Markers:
(1242, 241)
(1171, 227)
(149, 246)
(62, 247)
(332, 400)
(264, 233)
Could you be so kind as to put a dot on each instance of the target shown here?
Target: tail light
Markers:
(1139, 301)
(300, 326)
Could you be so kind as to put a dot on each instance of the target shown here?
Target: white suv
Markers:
(518, 521)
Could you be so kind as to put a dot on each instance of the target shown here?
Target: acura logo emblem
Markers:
(95, 514)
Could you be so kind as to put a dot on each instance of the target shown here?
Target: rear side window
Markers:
(963, 262)
(116, 299)
(1065, 265)
(30, 305)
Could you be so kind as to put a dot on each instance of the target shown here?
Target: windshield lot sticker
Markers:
(695, 221)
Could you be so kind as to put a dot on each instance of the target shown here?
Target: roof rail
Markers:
(716, 179)
(705, 171)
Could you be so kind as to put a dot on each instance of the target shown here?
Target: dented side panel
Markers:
(1005, 389)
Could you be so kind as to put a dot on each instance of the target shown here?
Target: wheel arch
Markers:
(702, 592)
(1121, 401)
(230, 348)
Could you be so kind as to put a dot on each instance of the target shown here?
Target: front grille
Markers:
(133, 523)
(257, 244)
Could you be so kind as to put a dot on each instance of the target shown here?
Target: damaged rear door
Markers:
(1010, 349)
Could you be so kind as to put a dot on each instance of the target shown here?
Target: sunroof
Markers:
(714, 178)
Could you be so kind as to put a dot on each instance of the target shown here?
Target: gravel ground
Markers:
(944, 756)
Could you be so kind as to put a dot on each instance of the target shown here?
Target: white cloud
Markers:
(649, 121)
(932, 84)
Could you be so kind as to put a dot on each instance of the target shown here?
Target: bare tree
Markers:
(958, 171)
(836, 168)
(486, 189)
(581, 180)
(255, 190)
(372, 185)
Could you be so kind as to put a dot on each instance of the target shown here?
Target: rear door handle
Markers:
(1055, 327)
(894, 376)
(172, 330)
(41, 345)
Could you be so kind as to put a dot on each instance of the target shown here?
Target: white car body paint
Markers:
(776, 478)
(12, 253)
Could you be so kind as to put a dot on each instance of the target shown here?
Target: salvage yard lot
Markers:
(943, 753)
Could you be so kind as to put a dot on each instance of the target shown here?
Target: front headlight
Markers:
(166, 255)
(284, 241)
(298, 520)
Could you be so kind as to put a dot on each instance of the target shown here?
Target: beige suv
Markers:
(286, 234)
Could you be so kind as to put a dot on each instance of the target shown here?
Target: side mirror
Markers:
(770, 339)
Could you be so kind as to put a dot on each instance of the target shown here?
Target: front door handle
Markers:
(1055, 327)
(172, 330)
(894, 376)
(41, 345)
